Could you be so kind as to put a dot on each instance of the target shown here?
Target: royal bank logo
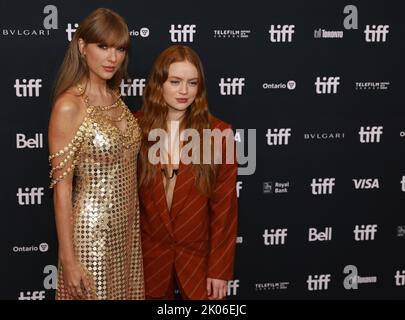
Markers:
(371, 86)
(376, 33)
(281, 33)
(328, 34)
(289, 85)
(132, 87)
(231, 34)
(239, 239)
(270, 187)
(272, 286)
(143, 33)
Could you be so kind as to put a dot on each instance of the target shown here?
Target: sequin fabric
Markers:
(106, 231)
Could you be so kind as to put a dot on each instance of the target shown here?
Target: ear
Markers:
(82, 46)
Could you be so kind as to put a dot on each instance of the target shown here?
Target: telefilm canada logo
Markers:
(372, 86)
(231, 34)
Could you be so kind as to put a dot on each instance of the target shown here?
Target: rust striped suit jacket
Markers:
(196, 238)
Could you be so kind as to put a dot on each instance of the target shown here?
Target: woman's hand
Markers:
(216, 289)
(76, 281)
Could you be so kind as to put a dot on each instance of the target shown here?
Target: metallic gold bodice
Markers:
(106, 232)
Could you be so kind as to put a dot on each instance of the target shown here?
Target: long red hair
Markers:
(154, 113)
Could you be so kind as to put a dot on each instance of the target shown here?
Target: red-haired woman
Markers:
(187, 193)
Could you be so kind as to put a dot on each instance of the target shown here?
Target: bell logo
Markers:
(27, 88)
(183, 33)
(281, 33)
(318, 282)
(376, 33)
(31, 196)
(231, 86)
(314, 235)
(327, 85)
(33, 143)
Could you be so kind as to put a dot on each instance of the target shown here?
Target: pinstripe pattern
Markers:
(197, 237)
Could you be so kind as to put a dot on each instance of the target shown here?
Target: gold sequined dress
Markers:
(106, 231)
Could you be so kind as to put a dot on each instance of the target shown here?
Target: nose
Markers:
(183, 87)
(112, 55)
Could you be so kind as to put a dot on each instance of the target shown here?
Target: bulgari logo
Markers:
(324, 136)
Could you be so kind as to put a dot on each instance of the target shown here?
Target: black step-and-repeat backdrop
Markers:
(314, 90)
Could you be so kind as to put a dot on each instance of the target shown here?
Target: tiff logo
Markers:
(314, 235)
(133, 87)
(370, 134)
(323, 186)
(69, 30)
(318, 282)
(233, 286)
(183, 33)
(403, 184)
(275, 237)
(281, 33)
(277, 137)
(29, 89)
(231, 86)
(33, 143)
(365, 232)
(400, 278)
(327, 85)
(34, 295)
(238, 188)
(30, 196)
(376, 33)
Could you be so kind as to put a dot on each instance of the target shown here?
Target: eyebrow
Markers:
(182, 78)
